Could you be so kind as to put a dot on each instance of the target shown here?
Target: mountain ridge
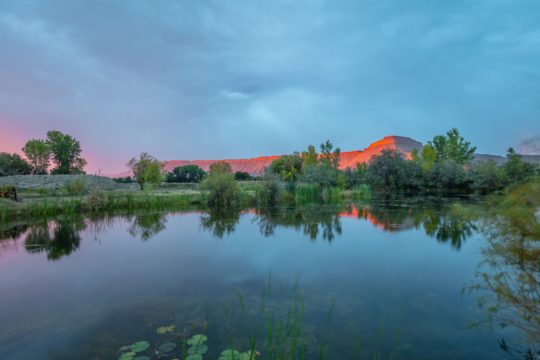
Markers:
(256, 165)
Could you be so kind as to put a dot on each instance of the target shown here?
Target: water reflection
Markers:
(61, 237)
(148, 225)
(220, 222)
(509, 277)
(311, 221)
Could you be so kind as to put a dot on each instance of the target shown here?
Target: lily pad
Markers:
(249, 355)
(166, 329)
(197, 339)
(167, 347)
(229, 354)
(144, 357)
(125, 348)
(198, 349)
(127, 356)
(140, 346)
(194, 357)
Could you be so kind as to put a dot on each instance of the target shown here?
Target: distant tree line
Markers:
(59, 153)
(442, 166)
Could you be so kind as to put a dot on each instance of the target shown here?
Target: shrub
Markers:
(269, 192)
(76, 187)
(96, 200)
(220, 184)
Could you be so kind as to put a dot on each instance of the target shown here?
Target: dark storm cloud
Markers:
(212, 79)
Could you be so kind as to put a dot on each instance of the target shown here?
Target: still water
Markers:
(389, 280)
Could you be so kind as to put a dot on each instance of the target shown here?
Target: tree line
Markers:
(59, 153)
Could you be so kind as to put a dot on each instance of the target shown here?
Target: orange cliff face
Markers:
(256, 166)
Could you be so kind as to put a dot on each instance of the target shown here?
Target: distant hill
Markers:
(256, 166)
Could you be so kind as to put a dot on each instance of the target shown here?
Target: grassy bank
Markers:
(33, 205)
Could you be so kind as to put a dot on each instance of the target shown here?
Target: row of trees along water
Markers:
(59, 152)
(443, 166)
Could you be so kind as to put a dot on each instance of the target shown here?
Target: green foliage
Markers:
(96, 200)
(76, 187)
(38, 153)
(310, 157)
(515, 169)
(242, 176)
(146, 169)
(287, 167)
(65, 152)
(270, 190)
(223, 189)
(427, 158)
(361, 192)
(328, 157)
(447, 177)
(452, 147)
(486, 177)
(387, 171)
(124, 180)
(354, 177)
(186, 174)
(13, 164)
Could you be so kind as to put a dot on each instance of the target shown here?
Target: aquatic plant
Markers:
(139, 346)
(167, 347)
(166, 329)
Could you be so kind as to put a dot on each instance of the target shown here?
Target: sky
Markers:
(232, 79)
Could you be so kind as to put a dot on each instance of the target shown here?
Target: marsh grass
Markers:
(97, 201)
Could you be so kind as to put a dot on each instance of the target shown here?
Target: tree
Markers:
(310, 157)
(146, 169)
(452, 147)
(287, 167)
(386, 171)
(223, 189)
(13, 164)
(38, 153)
(242, 176)
(65, 152)
(486, 177)
(447, 177)
(186, 174)
(328, 157)
(426, 158)
(516, 169)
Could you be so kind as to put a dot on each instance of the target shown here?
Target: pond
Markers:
(401, 279)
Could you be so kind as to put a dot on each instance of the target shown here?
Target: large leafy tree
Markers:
(220, 184)
(13, 164)
(186, 174)
(38, 153)
(516, 169)
(288, 167)
(452, 147)
(146, 170)
(66, 153)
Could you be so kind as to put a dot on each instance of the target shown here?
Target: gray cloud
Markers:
(211, 79)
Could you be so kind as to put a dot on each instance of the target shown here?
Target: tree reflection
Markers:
(509, 277)
(147, 225)
(312, 221)
(220, 221)
(56, 238)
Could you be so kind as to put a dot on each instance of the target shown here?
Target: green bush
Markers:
(269, 192)
(220, 184)
(96, 200)
(361, 192)
(76, 187)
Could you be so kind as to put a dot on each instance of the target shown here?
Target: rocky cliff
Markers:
(256, 166)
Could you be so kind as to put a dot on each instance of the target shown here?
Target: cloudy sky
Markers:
(222, 79)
